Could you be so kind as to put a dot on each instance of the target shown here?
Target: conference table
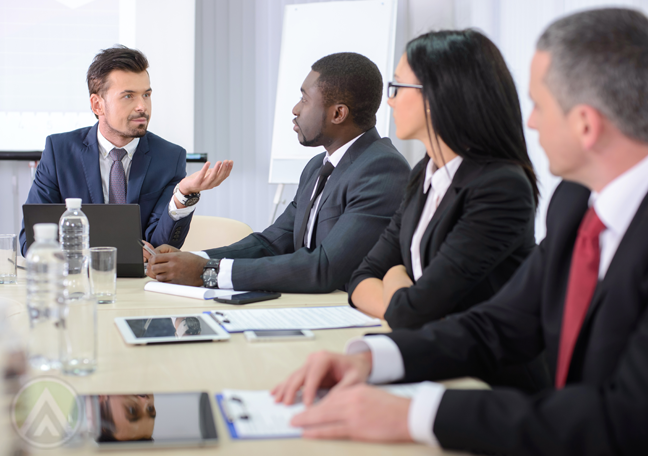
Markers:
(209, 367)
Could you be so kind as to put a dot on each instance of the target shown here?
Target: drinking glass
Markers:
(103, 274)
(8, 251)
(78, 335)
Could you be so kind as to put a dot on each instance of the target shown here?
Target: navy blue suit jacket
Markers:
(69, 168)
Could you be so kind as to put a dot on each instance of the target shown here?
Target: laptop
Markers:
(111, 225)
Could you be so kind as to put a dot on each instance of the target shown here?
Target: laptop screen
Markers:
(111, 225)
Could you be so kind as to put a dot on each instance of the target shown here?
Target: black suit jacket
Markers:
(357, 202)
(604, 407)
(479, 235)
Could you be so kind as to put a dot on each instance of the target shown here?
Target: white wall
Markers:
(163, 29)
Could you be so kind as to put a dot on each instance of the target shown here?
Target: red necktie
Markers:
(583, 277)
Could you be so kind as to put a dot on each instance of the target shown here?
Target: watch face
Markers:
(209, 278)
(191, 200)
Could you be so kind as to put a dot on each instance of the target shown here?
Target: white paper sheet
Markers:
(333, 317)
(187, 291)
(254, 414)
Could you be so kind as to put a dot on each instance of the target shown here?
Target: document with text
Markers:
(255, 415)
(333, 317)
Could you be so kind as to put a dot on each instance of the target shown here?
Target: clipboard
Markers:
(230, 423)
(313, 318)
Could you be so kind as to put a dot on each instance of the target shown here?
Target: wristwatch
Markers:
(210, 274)
(186, 200)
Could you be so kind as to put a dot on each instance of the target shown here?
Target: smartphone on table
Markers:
(246, 298)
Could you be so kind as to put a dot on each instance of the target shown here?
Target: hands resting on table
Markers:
(352, 409)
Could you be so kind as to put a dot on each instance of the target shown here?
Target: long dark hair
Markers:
(471, 97)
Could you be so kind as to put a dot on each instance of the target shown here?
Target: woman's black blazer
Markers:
(479, 235)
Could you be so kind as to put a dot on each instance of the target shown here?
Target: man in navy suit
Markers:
(118, 161)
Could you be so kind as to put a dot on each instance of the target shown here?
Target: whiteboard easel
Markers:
(310, 32)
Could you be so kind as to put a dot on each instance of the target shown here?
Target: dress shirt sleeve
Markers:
(387, 362)
(225, 274)
(176, 214)
(224, 271)
(422, 413)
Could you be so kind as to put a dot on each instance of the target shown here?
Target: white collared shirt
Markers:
(616, 205)
(226, 264)
(105, 163)
(436, 185)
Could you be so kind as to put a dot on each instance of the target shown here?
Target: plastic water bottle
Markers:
(46, 296)
(74, 236)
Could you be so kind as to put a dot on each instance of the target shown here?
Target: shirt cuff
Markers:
(422, 413)
(176, 214)
(224, 271)
(225, 274)
(386, 359)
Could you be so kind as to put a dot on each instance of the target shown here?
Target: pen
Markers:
(146, 247)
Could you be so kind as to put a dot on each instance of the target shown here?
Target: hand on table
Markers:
(395, 279)
(171, 265)
(324, 369)
(206, 178)
(359, 412)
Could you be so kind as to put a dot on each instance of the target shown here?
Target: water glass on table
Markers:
(8, 251)
(78, 330)
(103, 274)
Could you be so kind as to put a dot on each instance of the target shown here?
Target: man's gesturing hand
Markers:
(324, 370)
(171, 265)
(360, 412)
(206, 178)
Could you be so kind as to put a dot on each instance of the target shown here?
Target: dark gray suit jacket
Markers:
(359, 199)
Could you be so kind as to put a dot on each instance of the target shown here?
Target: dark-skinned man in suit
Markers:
(345, 199)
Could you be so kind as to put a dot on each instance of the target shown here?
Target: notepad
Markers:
(187, 291)
(333, 317)
(255, 415)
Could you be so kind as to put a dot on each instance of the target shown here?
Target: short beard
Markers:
(317, 140)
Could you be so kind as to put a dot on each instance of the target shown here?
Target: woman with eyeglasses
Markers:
(467, 220)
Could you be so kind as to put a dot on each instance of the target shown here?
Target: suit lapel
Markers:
(356, 149)
(139, 166)
(302, 204)
(411, 217)
(467, 171)
(88, 155)
(638, 226)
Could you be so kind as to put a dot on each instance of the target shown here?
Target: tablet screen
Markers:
(150, 419)
(178, 327)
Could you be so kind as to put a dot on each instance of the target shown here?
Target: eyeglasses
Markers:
(392, 88)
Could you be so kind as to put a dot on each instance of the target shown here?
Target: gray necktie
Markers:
(117, 189)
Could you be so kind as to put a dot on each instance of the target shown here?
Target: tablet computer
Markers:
(170, 328)
(154, 420)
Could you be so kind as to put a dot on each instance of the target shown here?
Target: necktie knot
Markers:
(591, 226)
(326, 170)
(117, 154)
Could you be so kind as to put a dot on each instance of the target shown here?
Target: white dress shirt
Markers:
(436, 185)
(226, 264)
(105, 163)
(616, 206)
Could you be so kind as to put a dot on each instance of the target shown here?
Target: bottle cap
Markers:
(46, 231)
(73, 203)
